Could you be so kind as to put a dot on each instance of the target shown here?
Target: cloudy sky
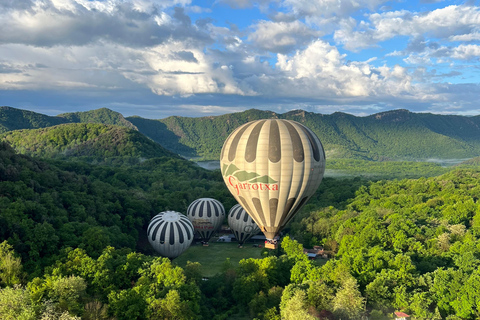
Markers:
(157, 58)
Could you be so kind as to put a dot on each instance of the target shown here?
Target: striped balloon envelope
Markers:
(207, 216)
(272, 167)
(170, 233)
(242, 224)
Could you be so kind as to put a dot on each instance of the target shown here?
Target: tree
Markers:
(348, 302)
(127, 305)
(10, 266)
(296, 307)
(293, 249)
(171, 308)
(15, 304)
(69, 292)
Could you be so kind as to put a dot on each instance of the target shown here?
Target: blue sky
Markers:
(158, 58)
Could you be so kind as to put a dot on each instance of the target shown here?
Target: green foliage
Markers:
(411, 245)
(397, 134)
(102, 115)
(295, 307)
(10, 266)
(15, 119)
(46, 207)
(90, 142)
(348, 302)
(15, 304)
(293, 249)
(377, 170)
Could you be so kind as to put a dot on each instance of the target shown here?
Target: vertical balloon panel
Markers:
(272, 167)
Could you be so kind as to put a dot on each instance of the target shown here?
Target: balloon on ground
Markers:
(170, 233)
(272, 167)
(242, 225)
(206, 215)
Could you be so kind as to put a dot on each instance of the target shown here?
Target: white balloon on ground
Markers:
(170, 233)
(206, 215)
(242, 225)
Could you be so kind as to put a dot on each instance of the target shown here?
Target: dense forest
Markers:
(393, 135)
(85, 141)
(74, 247)
(78, 190)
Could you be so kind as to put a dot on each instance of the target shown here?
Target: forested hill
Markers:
(398, 134)
(391, 135)
(471, 162)
(103, 115)
(16, 119)
(86, 140)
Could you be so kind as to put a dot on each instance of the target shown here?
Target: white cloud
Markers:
(152, 48)
(242, 4)
(95, 66)
(282, 36)
(445, 55)
(466, 52)
(474, 36)
(80, 22)
(321, 71)
(443, 23)
(317, 10)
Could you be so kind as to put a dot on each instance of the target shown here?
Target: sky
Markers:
(158, 58)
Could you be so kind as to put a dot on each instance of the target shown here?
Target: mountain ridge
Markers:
(390, 135)
(91, 141)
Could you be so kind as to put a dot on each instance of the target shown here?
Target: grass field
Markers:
(212, 257)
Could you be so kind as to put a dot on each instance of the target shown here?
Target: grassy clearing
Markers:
(212, 257)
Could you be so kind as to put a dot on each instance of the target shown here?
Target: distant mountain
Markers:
(470, 162)
(391, 135)
(103, 115)
(92, 140)
(15, 119)
(196, 137)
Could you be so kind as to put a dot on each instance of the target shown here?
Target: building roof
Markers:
(401, 314)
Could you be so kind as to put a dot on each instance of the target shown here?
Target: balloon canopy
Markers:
(170, 233)
(272, 167)
(206, 215)
(242, 224)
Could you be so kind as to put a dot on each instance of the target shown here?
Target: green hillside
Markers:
(196, 137)
(72, 246)
(103, 115)
(15, 119)
(392, 135)
(96, 141)
(470, 162)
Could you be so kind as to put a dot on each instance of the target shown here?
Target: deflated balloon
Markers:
(170, 233)
(206, 215)
(242, 224)
(272, 167)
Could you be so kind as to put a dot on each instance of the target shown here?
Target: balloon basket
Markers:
(271, 246)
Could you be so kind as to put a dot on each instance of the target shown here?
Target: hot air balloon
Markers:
(206, 215)
(242, 224)
(170, 233)
(272, 167)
